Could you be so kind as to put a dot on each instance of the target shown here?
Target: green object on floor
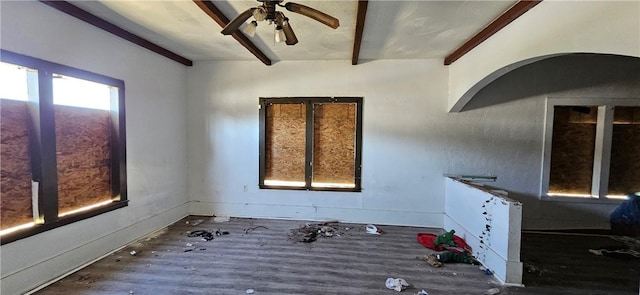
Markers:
(445, 239)
(456, 257)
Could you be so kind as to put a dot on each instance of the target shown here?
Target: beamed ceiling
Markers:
(187, 31)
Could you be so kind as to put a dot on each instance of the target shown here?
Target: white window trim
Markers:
(604, 128)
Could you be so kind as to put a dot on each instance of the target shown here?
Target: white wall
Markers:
(155, 90)
(409, 142)
(490, 223)
(404, 131)
(409, 138)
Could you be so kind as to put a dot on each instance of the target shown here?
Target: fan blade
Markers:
(235, 23)
(283, 21)
(291, 36)
(314, 14)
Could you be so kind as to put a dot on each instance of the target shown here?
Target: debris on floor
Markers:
(194, 222)
(621, 252)
(221, 233)
(250, 291)
(86, 278)
(630, 248)
(448, 256)
(398, 284)
(327, 231)
(432, 260)
(133, 253)
(446, 239)
(373, 230)
(443, 243)
(221, 219)
(486, 270)
(309, 232)
(206, 235)
(328, 222)
(532, 269)
(247, 230)
(422, 292)
(492, 291)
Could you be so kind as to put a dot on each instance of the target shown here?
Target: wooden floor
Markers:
(267, 257)
(562, 264)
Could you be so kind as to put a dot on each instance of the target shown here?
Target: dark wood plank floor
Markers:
(266, 256)
(562, 264)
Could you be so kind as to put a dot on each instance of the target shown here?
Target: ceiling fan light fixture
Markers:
(279, 35)
(250, 29)
(267, 12)
(260, 14)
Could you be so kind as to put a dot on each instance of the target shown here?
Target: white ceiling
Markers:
(393, 29)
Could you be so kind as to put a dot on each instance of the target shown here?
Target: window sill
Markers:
(318, 189)
(560, 199)
(40, 228)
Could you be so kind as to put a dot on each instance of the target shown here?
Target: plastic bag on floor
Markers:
(398, 284)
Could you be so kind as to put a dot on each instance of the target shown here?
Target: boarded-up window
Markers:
(63, 145)
(285, 144)
(83, 142)
(624, 177)
(334, 142)
(83, 154)
(594, 149)
(310, 143)
(15, 176)
(574, 135)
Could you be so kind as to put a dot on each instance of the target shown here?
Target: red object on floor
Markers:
(427, 240)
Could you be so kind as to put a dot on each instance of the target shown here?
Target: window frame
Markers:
(42, 141)
(309, 102)
(603, 141)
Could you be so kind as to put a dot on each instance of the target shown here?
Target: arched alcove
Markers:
(589, 74)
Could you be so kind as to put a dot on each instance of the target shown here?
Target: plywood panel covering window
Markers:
(63, 145)
(591, 149)
(625, 151)
(574, 134)
(84, 157)
(15, 176)
(285, 143)
(334, 142)
(310, 143)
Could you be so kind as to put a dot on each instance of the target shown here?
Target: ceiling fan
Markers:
(267, 12)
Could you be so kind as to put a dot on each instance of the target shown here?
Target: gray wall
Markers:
(503, 130)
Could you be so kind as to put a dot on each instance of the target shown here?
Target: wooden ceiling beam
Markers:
(85, 16)
(212, 11)
(357, 40)
(502, 21)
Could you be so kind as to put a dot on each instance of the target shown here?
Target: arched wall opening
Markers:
(596, 74)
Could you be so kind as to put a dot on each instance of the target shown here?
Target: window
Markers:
(63, 152)
(591, 148)
(311, 143)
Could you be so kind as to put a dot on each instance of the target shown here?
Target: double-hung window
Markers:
(63, 145)
(311, 143)
(591, 148)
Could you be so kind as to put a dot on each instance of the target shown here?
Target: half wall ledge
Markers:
(490, 223)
